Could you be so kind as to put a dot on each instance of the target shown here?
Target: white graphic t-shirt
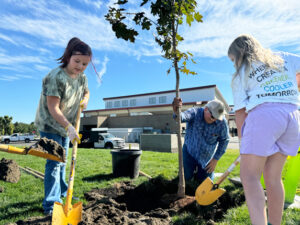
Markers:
(263, 84)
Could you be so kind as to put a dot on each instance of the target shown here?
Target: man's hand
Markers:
(211, 166)
(83, 103)
(177, 102)
(72, 133)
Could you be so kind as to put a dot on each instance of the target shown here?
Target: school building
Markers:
(150, 111)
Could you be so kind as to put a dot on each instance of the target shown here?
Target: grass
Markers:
(94, 170)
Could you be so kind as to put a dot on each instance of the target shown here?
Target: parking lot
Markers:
(233, 144)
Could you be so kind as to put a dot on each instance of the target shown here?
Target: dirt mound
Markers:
(105, 207)
(9, 171)
(150, 203)
(49, 146)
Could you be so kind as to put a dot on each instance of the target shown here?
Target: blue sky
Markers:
(33, 34)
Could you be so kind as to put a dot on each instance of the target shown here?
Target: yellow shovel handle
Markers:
(68, 205)
(228, 171)
(11, 149)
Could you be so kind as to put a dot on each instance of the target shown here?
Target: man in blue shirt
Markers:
(206, 128)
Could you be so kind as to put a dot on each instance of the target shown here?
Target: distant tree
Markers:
(7, 125)
(169, 15)
(32, 128)
(1, 125)
(21, 127)
(25, 128)
(11, 128)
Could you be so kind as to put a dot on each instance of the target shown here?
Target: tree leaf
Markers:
(198, 17)
(121, 2)
(169, 70)
(144, 2)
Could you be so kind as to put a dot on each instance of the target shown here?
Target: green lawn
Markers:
(94, 170)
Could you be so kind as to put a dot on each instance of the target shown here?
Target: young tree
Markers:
(169, 15)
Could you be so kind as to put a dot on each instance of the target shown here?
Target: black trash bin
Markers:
(126, 162)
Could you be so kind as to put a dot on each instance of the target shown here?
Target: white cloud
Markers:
(8, 78)
(273, 23)
(11, 60)
(8, 39)
(52, 23)
(57, 22)
(14, 77)
(24, 76)
(94, 3)
(159, 60)
(101, 73)
(42, 68)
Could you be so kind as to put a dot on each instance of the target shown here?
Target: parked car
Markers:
(109, 141)
(98, 139)
(17, 137)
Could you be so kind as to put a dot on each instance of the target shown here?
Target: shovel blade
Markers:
(205, 195)
(59, 216)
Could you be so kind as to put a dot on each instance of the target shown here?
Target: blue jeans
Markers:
(55, 185)
(190, 165)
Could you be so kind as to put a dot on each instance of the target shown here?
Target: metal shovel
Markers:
(68, 213)
(208, 192)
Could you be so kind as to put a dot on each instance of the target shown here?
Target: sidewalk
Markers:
(233, 144)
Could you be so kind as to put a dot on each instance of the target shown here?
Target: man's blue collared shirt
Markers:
(202, 138)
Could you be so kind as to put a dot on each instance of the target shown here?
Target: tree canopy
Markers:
(7, 127)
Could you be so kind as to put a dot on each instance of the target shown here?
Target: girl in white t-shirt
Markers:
(265, 93)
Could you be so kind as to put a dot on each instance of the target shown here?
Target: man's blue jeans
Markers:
(190, 165)
(55, 186)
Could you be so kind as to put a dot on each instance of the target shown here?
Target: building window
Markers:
(124, 103)
(117, 104)
(108, 105)
(152, 100)
(162, 99)
(132, 102)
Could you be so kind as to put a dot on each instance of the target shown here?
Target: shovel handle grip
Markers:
(12, 149)
(228, 171)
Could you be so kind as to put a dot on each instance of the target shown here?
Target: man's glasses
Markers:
(211, 115)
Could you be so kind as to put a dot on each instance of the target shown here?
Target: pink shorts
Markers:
(271, 128)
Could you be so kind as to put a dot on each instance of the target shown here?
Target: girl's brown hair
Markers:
(74, 47)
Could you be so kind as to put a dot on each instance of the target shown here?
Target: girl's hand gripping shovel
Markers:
(208, 192)
(68, 214)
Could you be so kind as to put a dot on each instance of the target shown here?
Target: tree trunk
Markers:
(181, 183)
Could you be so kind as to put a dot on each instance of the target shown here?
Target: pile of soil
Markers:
(49, 146)
(149, 204)
(9, 171)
